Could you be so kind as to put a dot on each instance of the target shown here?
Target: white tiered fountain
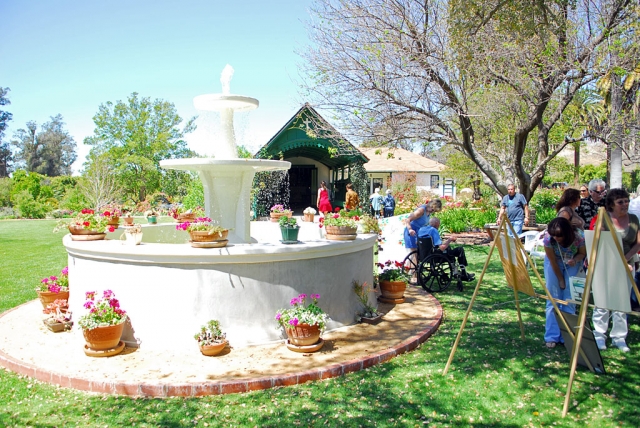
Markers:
(170, 289)
(227, 180)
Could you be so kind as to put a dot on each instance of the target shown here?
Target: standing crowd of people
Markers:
(565, 254)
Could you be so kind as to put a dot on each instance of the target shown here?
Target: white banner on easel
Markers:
(611, 286)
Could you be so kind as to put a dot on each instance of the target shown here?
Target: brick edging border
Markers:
(199, 389)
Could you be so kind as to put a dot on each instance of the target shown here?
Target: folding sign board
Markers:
(515, 269)
(611, 286)
(588, 343)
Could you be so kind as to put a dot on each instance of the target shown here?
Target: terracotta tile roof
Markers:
(398, 160)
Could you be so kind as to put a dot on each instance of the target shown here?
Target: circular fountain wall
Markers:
(170, 289)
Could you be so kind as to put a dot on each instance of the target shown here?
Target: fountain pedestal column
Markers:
(227, 189)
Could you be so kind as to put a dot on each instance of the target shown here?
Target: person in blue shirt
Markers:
(389, 204)
(515, 204)
(458, 252)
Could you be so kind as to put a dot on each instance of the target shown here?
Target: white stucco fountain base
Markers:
(170, 289)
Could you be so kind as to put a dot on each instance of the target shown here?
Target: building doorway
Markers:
(302, 186)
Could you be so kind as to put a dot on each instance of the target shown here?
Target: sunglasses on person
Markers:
(583, 190)
(599, 192)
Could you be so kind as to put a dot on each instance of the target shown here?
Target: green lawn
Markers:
(496, 379)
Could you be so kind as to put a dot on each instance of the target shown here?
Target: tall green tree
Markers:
(135, 136)
(50, 151)
(5, 149)
(489, 78)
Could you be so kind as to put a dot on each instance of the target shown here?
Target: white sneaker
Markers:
(601, 344)
(621, 345)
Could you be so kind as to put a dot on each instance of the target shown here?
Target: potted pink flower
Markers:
(53, 288)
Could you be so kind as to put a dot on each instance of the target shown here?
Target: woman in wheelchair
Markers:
(458, 252)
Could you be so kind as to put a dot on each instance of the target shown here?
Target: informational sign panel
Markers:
(515, 269)
(611, 286)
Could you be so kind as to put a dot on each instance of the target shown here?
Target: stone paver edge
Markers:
(199, 389)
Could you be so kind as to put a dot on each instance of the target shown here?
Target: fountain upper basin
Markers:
(218, 102)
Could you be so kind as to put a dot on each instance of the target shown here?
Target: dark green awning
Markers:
(308, 135)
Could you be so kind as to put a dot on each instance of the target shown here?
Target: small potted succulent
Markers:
(308, 214)
(151, 216)
(205, 234)
(54, 288)
(303, 323)
(132, 235)
(59, 316)
(369, 314)
(289, 229)
(102, 325)
(211, 339)
(127, 218)
(278, 211)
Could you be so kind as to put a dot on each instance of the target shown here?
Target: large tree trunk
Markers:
(615, 181)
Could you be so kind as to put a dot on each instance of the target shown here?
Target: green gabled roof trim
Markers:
(307, 134)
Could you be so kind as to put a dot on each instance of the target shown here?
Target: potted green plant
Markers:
(205, 234)
(87, 225)
(211, 339)
(289, 229)
(59, 316)
(303, 323)
(393, 282)
(102, 325)
(339, 227)
(369, 314)
(151, 216)
(54, 288)
(278, 211)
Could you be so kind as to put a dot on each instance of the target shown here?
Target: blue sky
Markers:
(68, 57)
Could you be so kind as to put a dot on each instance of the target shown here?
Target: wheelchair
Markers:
(434, 269)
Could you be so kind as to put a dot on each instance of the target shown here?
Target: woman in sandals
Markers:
(564, 254)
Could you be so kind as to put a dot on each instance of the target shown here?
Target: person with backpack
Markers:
(389, 204)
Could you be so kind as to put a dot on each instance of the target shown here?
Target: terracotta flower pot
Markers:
(57, 327)
(341, 233)
(128, 220)
(308, 217)
(47, 297)
(186, 217)
(82, 234)
(303, 334)
(392, 289)
(103, 338)
(211, 350)
(203, 236)
(114, 221)
(276, 216)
